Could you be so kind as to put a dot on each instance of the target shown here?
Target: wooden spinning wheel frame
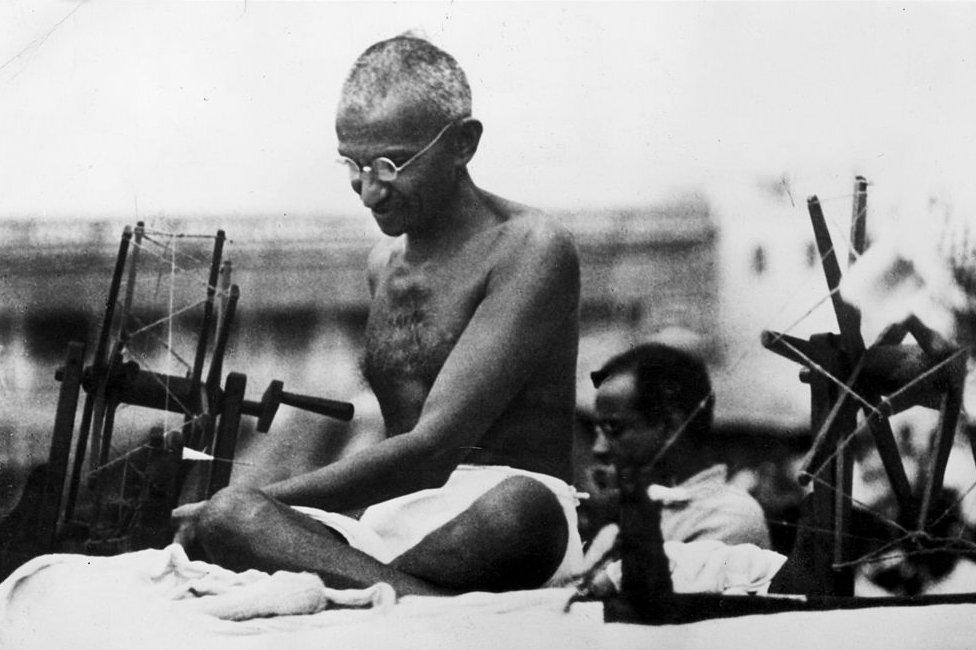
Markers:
(132, 495)
(848, 378)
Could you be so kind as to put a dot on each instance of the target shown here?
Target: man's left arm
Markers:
(728, 517)
(531, 298)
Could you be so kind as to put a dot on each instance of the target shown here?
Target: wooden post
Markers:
(97, 371)
(192, 432)
(831, 505)
(130, 285)
(49, 509)
(226, 442)
(859, 218)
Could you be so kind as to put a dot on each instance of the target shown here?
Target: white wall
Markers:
(125, 109)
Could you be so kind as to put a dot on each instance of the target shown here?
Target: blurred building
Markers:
(677, 271)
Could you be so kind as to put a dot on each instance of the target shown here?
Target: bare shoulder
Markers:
(533, 236)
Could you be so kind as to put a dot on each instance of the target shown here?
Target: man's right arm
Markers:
(729, 517)
(530, 298)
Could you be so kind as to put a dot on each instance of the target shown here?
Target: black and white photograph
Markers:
(396, 324)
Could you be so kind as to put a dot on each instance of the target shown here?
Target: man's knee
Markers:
(526, 517)
(512, 537)
(525, 505)
(231, 511)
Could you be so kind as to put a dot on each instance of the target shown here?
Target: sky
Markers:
(122, 110)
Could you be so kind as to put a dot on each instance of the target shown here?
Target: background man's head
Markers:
(650, 397)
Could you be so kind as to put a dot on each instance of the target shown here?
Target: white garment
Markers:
(390, 528)
(703, 566)
(706, 506)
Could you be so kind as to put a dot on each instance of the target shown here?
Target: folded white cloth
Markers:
(705, 566)
(252, 594)
(158, 594)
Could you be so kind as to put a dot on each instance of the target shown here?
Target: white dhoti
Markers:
(388, 529)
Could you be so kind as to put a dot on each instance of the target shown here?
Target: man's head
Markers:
(653, 402)
(408, 102)
(408, 69)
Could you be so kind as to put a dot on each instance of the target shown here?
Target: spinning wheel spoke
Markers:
(227, 440)
(104, 410)
(859, 220)
(197, 402)
(848, 318)
(130, 285)
(64, 422)
(790, 347)
(884, 440)
(939, 451)
(970, 431)
(820, 453)
(98, 368)
(925, 387)
(892, 335)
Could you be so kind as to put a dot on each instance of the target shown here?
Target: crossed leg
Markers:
(512, 537)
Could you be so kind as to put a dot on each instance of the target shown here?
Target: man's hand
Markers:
(185, 517)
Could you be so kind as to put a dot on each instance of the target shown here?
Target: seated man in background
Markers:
(653, 415)
(653, 412)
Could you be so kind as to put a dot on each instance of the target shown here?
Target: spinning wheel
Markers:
(854, 390)
(130, 496)
(846, 379)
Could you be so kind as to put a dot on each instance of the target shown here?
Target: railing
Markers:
(34, 234)
(688, 220)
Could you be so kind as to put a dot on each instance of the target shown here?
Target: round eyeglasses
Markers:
(383, 168)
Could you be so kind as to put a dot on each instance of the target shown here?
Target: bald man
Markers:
(471, 347)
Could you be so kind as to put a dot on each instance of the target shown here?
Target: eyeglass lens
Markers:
(383, 168)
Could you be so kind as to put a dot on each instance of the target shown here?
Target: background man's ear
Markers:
(466, 139)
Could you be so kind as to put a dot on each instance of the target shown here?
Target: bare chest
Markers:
(416, 317)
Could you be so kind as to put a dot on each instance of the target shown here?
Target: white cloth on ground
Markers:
(388, 529)
(204, 597)
(110, 604)
(703, 566)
